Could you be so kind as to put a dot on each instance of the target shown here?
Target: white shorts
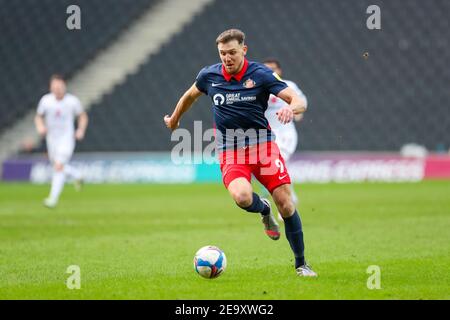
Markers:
(287, 143)
(60, 151)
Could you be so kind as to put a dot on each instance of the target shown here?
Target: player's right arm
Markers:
(185, 102)
(39, 119)
(40, 125)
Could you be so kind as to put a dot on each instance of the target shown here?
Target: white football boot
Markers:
(305, 271)
(50, 203)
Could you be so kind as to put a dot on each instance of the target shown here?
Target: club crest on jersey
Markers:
(249, 83)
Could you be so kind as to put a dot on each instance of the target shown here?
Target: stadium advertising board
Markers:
(306, 167)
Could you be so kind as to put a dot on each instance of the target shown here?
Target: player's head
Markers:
(232, 49)
(274, 64)
(58, 86)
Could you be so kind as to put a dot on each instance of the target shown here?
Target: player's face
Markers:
(58, 88)
(274, 67)
(232, 55)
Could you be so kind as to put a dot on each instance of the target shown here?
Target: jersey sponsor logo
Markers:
(250, 98)
(233, 97)
(218, 99)
(249, 83)
(216, 84)
(236, 97)
(282, 177)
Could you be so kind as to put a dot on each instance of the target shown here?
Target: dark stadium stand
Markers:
(36, 43)
(398, 95)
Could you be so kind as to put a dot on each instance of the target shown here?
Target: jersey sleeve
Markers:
(41, 107)
(200, 81)
(272, 81)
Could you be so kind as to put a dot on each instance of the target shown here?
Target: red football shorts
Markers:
(263, 160)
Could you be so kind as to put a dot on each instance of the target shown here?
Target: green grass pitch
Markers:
(138, 242)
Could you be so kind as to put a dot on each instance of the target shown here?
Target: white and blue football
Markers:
(210, 262)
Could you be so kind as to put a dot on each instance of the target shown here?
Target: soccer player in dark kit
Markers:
(239, 90)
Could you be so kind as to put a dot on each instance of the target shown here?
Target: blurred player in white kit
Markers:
(286, 134)
(55, 119)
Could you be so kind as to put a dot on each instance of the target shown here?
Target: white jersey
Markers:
(60, 115)
(59, 118)
(285, 134)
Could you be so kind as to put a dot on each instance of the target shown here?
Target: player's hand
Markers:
(79, 134)
(170, 123)
(285, 115)
(42, 131)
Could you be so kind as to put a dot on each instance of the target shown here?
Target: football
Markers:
(210, 262)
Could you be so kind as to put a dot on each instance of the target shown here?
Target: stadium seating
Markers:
(35, 43)
(398, 95)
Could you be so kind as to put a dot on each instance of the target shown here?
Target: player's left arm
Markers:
(296, 105)
(299, 117)
(82, 123)
(82, 118)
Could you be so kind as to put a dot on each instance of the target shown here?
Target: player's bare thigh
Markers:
(241, 191)
(283, 200)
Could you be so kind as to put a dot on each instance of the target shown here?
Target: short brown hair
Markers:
(274, 61)
(231, 34)
(57, 76)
